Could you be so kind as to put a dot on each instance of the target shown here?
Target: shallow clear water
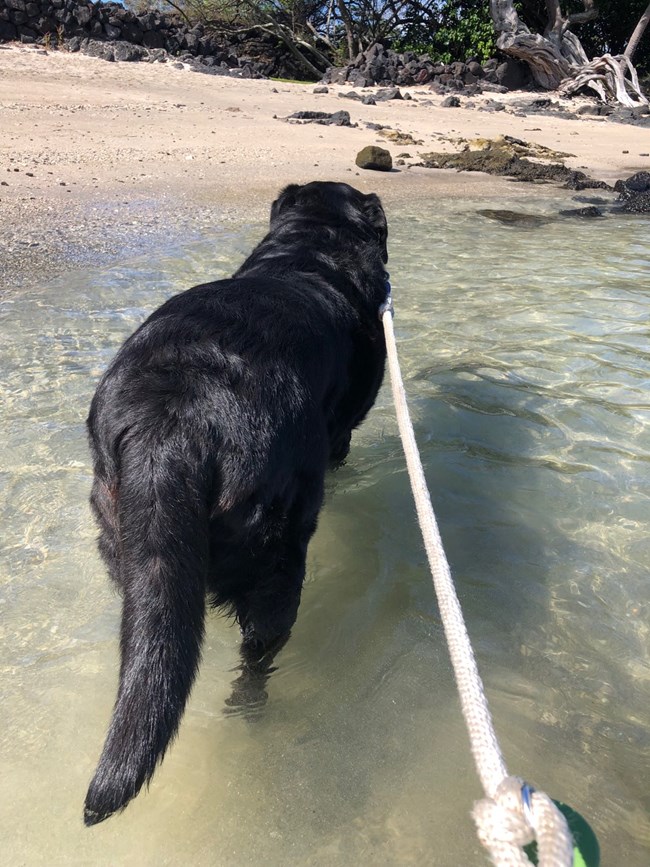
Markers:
(527, 362)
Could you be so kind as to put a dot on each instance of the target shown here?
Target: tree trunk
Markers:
(349, 27)
(547, 63)
(558, 61)
(639, 30)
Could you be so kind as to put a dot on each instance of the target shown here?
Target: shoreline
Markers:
(102, 161)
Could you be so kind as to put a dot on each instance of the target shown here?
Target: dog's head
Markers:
(335, 204)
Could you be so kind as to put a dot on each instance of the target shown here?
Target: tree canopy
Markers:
(445, 29)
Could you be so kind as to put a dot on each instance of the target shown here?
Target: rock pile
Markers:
(379, 65)
(110, 31)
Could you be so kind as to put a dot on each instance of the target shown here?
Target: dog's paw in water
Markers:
(211, 433)
(248, 697)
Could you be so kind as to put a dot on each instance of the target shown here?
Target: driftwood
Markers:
(557, 59)
(607, 76)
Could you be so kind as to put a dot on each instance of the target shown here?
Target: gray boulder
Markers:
(124, 51)
(512, 74)
(374, 158)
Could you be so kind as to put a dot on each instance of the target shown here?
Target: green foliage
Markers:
(236, 13)
(225, 11)
(468, 33)
(229, 12)
(451, 30)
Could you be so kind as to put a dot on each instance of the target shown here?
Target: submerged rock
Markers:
(515, 218)
(591, 200)
(375, 158)
(588, 213)
(534, 221)
(634, 192)
(639, 204)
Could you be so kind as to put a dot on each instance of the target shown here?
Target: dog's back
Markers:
(211, 432)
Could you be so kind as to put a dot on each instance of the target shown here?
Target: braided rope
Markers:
(512, 814)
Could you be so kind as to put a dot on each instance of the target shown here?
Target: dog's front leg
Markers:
(340, 448)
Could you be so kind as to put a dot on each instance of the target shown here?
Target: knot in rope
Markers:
(507, 823)
(502, 824)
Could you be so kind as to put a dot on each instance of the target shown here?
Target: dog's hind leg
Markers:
(266, 615)
(268, 611)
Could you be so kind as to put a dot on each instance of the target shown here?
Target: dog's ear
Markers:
(374, 214)
(286, 199)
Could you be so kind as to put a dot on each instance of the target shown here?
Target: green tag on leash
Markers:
(586, 851)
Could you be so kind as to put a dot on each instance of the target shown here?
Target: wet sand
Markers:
(101, 160)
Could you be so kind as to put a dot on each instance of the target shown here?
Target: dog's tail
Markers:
(163, 541)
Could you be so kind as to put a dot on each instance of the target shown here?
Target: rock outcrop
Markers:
(111, 32)
(383, 66)
(634, 193)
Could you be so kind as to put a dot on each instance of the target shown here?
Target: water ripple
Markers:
(527, 360)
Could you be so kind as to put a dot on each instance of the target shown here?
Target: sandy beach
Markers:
(101, 159)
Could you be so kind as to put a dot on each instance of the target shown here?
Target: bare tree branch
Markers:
(319, 37)
(590, 14)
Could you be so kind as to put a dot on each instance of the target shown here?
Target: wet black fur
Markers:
(211, 432)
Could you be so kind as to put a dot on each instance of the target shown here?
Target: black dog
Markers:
(211, 432)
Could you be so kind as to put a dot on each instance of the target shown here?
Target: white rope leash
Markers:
(512, 814)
